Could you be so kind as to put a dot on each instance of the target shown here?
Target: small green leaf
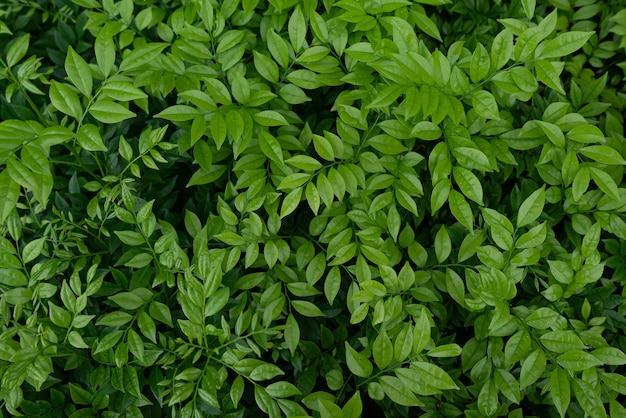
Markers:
(357, 362)
(78, 72)
(65, 99)
(485, 104)
(107, 111)
(307, 308)
(603, 154)
(397, 392)
(531, 208)
(18, 50)
(271, 147)
(560, 390)
(297, 29)
(270, 118)
(565, 44)
(89, 138)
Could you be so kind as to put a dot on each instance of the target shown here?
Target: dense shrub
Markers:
(312, 208)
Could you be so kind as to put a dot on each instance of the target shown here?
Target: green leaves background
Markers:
(312, 208)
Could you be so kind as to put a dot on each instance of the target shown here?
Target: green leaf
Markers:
(9, 194)
(426, 131)
(292, 333)
(529, 8)
(565, 44)
(434, 375)
(141, 56)
(265, 371)
(533, 367)
(65, 99)
(469, 184)
(533, 238)
(291, 202)
(122, 91)
(507, 385)
(560, 390)
(488, 399)
(107, 111)
(610, 355)
(443, 245)
(577, 360)
(382, 350)
(127, 300)
(270, 118)
(282, 390)
(531, 207)
(387, 144)
(278, 48)
(354, 407)
(236, 390)
(18, 50)
(502, 49)
(78, 72)
(588, 399)
(549, 73)
(104, 47)
(357, 362)
(605, 182)
(266, 67)
(479, 64)
(561, 341)
(603, 154)
(33, 249)
(397, 392)
(271, 147)
(485, 104)
(332, 284)
(307, 308)
(297, 29)
(461, 210)
(89, 138)
(178, 113)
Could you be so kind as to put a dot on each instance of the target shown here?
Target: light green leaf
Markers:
(443, 245)
(485, 104)
(603, 154)
(141, 56)
(397, 392)
(562, 341)
(307, 308)
(104, 47)
(266, 67)
(270, 118)
(549, 73)
(297, 29)
(271, 148)
(278, 48)
(382, 350)
(9, 194)
(78, 72)
(529, 8)
(357, 362)
(588, 399)
(65, 99)
(565, 44)
(560, 390)
(18, 50)
(89, 138)
(107, 111)
(479, 64)
(532, 368)
(531, 208)
(178, 113)
(434, 375)
(488, 398)
(501, 49)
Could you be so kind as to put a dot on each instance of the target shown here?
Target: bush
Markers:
(312, 208)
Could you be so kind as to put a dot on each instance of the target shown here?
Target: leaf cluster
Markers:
(312, 208)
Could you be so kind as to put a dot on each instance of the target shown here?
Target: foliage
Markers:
(312, 208)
